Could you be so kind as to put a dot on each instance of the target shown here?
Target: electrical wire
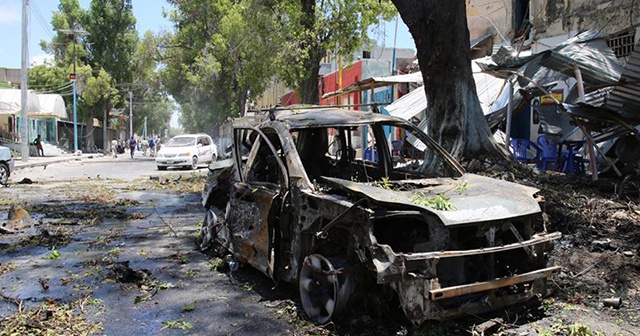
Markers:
(35, 11)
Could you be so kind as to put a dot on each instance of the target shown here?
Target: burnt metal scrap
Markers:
(324, 198)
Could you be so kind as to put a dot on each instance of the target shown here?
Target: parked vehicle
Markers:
(188, 150)
(302, 201)
(6, 164)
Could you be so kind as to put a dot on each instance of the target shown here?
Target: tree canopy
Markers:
(110, 62)
(224, 52)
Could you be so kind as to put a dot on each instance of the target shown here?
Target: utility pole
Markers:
(24, 135)
(72, 78)
(130, 114)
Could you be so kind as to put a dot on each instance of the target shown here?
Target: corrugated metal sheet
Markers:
(409, 105)
(598, 64)
(488, 88)
(625, 98)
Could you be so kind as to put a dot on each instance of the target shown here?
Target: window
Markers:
(263, 161)
(622, 43)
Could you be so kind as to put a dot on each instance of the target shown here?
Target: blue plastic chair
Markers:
(396, 147)
(525, 151)
(573, 161)
(370, 154)
(549, 153)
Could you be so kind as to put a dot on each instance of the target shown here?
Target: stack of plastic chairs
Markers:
(525, 151)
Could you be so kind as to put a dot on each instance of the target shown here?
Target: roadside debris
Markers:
(121, 272)
(18, 219)
(612, 302)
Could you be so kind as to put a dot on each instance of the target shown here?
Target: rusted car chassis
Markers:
(446, 245)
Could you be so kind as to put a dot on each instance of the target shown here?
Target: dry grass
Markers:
(50, 318)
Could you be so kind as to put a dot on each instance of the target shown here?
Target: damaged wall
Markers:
(551, 18)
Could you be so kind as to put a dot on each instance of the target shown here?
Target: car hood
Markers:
(177, 150)
(475, 198)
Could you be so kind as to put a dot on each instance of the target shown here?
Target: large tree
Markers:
(221, 54)
(225, 51)
(112, 37)
(151, 102)
(455, 118)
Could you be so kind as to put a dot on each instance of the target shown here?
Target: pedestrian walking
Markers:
(132, 145)
(114, 147)
(38, 143)
(152, 146)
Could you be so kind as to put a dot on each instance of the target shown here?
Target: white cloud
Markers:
(41, 59)
(9, 14)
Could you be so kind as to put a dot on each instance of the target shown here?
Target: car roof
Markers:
(324, 116)
(191, 135)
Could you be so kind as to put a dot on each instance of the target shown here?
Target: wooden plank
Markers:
(449, 292)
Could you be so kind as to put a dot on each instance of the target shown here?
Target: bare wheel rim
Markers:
(194, 162)
(325, 286)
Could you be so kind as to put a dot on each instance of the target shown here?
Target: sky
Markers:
(148, 15)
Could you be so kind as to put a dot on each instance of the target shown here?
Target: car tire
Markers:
(4, 174)
(194, 163)
(162, 168)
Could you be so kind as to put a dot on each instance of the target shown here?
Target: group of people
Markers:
(133, 144)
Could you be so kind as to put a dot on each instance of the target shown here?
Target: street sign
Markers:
(72, 77)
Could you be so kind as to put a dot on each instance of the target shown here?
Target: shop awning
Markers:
(11, 101)
(51, 105)
(375, 82)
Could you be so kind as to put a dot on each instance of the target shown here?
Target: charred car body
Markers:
(303, 202)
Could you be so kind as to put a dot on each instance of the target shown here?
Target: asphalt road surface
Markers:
(115, 239)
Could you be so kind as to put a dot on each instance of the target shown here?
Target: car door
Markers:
(256, 200)
(203, 155)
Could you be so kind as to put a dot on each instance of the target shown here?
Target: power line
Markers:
(40, 18)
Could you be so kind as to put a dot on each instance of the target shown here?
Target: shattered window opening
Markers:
(622, 44)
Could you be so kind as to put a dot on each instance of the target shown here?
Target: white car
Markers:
(188, 150)
(6, 164)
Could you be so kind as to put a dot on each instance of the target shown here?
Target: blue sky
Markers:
(148, 14)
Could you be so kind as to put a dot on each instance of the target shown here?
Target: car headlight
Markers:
(186, 154)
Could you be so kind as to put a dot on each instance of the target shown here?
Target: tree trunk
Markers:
(309, 84)
(455, 118)
(105, 132)
(88, 135)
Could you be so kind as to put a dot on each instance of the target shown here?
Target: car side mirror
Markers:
(199, 144)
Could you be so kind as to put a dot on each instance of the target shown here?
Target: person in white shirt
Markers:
(114, 147)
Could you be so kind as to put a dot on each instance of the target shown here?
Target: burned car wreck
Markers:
(323, 198)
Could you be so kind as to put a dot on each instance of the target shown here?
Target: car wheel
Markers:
(162, 168)
(194, 163)
(4, 174)
(325, 286)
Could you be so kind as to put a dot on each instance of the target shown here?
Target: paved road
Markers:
(92, 166)
(108, 232)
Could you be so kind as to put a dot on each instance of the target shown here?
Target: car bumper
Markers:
(423, 297)
(166, 162)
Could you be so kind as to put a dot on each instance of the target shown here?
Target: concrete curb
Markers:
(85, 158)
